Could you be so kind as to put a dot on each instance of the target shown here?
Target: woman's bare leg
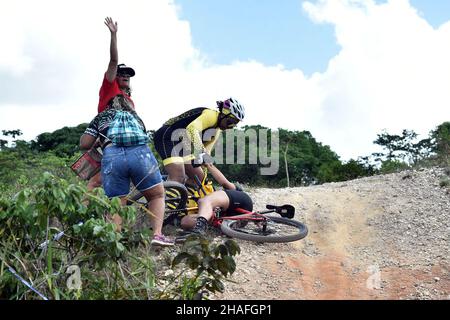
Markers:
(155, 198)
(95, 181)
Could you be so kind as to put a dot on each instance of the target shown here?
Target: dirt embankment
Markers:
(382, 237)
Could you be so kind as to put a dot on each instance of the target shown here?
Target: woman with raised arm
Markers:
(122, 136)
(115, 88)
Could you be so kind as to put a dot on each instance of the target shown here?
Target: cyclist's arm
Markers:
(208, 119)
(209, 145)
(219, 177)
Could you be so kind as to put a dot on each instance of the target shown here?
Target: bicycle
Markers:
(256, 226)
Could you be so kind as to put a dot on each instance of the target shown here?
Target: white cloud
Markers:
(392, 72)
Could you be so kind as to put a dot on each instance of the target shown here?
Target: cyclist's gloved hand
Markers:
(202, 158)
(207, 159)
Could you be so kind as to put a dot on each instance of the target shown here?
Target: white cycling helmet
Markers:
(235, 108)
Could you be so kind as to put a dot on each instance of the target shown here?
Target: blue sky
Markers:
(273, 31)
(269, 31)
(435, 12)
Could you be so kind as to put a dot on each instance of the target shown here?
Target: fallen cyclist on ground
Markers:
(228, 200)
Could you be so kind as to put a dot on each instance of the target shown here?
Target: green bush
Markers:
(391, 166)
(111, 264)
(445, 182)
(33, 217)
(211, 265)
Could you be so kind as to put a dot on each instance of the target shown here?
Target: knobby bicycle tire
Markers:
(175, 199)
(249, 231)
(176, 196)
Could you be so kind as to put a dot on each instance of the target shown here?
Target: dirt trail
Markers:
(356, 247)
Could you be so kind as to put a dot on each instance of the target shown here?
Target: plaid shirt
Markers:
(123, 128)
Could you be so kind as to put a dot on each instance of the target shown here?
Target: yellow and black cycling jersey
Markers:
(197, 192)
(194, 193)
(197, 124)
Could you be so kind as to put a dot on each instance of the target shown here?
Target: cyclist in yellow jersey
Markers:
(185, 142)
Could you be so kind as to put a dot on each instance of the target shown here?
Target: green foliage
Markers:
(441, 138)
(211, 264)
(304, 157)
(30, 221)
(392, 166)
(47, 229)
(20, 168)
(445, 182)
(6, 133)
(406, 151)
(353, 169)
(63, 142)
(12, 133)
(403, 147)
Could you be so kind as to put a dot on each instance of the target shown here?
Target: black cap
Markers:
(123, 69)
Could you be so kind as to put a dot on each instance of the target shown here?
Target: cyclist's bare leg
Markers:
(176, 172)
(213, 200)
(188, 221)
(206, 207)
(155, 198)
(95, 182)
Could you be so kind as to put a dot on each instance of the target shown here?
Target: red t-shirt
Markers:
(108, 91)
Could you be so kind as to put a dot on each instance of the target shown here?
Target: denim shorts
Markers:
(120, 165)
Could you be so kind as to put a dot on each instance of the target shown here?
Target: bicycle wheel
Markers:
(272, 229)
(176, 195)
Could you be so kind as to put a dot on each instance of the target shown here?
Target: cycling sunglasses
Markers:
(231, 120)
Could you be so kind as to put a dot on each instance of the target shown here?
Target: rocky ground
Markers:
(382, 237)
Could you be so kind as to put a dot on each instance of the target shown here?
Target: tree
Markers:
(286, 163)
(64, 142)
(403, 147)
(12, 133)
(304, 162)
(441, 141)
(3, 144)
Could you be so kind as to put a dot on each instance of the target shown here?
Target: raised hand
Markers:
(112, 26)
(113, 53)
